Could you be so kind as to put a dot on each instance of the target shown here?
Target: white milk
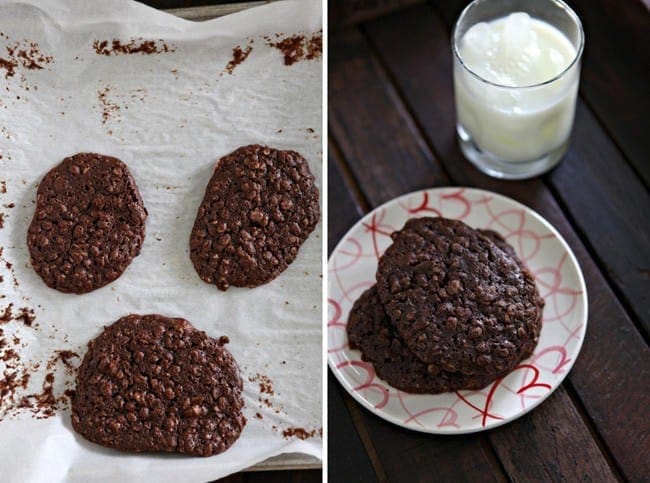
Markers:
(516, 123)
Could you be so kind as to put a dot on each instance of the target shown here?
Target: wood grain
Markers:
(614, 358)
(379, 140)
(529, 458)
(307, 476)
(615, 74)
(347, 12)
(344, 445)
(604, 199)
(347, 209)
(234, 478)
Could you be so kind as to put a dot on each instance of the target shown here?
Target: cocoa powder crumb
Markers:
(7, 315)
(298, 47)
(26, 54)
(265, 384)
(9, 66)
(239, 55)
(135, 46)
(300, 433)
(64, 356)
(108, 106)
(26, 316)
(16, 376)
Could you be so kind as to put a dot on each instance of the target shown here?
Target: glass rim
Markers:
(558, 3)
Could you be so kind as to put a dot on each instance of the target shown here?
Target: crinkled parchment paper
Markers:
(169, 116)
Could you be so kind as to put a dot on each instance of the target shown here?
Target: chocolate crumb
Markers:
(259, 416)
(25, 54)
(298, 47)
(16, 376)
(239, 55)
(7, 315)
(108, 107)
(64, 356)
(9, 66)
(135, 46)
(300, 433)
(26, 316)
(265, 382)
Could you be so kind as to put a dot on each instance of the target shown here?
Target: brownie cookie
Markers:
(457, 299)
(153, 383)
(260, 205)
(88, 223)
(370, 331)
(501, 242)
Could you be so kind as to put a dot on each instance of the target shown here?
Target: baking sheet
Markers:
(169, 116)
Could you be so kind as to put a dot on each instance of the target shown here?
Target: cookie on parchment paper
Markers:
(150, 383)
(88, 224)
(259, 207)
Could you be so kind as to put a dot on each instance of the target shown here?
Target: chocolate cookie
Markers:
(88, 223)
(260, 205)
(501, 242)
(153, 383)
(370, 331)
(457, 299)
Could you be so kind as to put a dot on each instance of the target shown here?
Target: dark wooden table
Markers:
(392, 131)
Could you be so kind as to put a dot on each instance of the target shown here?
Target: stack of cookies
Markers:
(453, 308)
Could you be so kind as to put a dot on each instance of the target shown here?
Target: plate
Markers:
(351, 270)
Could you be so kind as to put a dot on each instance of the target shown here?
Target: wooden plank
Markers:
(615, 77)
(347, 457)
(307, 476)
(615, 74)
(411, 456)
(450, 9)
(378, 139)
(345, 207)
(348, 12)
(614, 357)
(387, 157)
(350, 448)
(528, 458)
(608, 204)
(234, 478)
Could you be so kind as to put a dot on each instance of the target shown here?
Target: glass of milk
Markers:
(516, 73)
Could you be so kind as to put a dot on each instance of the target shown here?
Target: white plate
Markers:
(558, 276)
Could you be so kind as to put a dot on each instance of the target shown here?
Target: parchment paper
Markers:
(177, 113)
